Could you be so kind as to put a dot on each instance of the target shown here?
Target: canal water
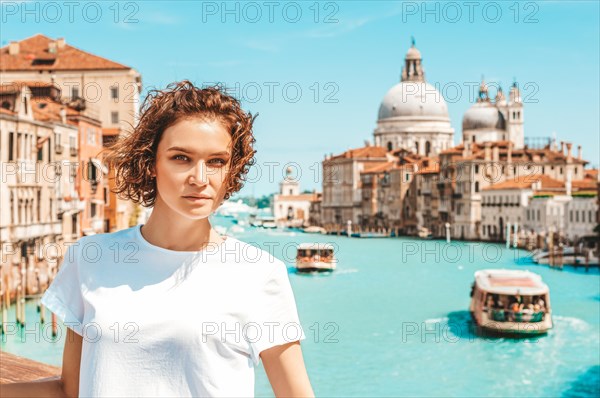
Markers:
(393, 320)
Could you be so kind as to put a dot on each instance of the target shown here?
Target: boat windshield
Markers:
(516, 308)
(325, 255)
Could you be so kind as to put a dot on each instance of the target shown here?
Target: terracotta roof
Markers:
(34, 55)
(431, 169)
(586, 183)
(364, 152)
(379, 168)
(525, 182)
(45, 109)
(545, 155)
(591, 173)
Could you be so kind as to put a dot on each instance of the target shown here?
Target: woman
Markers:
(171, 308)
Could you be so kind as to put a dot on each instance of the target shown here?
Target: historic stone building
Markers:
(107, 90)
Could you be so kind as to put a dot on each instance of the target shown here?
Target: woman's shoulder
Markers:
(123, 236)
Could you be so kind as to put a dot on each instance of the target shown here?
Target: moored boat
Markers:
(315, 230)
(425, 233)
(510, 302)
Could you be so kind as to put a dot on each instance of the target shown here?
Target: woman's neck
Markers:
(174, 232)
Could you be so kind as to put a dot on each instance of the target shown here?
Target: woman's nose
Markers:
(199, 175)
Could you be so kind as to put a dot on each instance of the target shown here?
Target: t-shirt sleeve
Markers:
(64, 295)
(277, 320)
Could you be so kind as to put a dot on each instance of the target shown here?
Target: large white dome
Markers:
(409, 98)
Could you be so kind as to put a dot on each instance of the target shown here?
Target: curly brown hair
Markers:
(133, 156)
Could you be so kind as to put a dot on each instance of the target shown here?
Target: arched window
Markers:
(427, 148)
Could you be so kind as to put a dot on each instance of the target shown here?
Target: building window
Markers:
(74, 224)
(560, 170)
(114, 117)
(92, 172)
(473, 138)
(74, 92)
(39, 206)
(18, 154)
(114, 92)
(476, 186)
(427, 148)
(389, 146)
(11, 146)
(416, 147)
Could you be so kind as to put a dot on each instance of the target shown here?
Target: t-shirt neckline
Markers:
(144, 242)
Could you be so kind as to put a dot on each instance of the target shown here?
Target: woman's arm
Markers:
(67, 385)
(285, 369)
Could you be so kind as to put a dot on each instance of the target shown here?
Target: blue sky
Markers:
(316, 72)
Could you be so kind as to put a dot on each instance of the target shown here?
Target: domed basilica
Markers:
(413, 114)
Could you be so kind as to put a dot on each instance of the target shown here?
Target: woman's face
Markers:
(192, 161)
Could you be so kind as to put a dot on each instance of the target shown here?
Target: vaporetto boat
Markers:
(315, 257)
(510, 302)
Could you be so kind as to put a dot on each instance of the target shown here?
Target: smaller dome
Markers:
(413, 53)
(483, 115)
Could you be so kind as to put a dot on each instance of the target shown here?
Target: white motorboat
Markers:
(512, 302)
(315, 257)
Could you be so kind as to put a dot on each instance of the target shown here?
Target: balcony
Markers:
(73, 151)
(58, 149)
(25, 232)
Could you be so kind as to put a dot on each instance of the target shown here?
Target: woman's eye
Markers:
(177, 157)
(221, 162)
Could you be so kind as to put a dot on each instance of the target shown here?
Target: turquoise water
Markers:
(393, 320)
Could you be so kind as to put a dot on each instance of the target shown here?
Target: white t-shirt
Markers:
(158, 322)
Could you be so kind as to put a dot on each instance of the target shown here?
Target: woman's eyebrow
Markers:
(178, 148)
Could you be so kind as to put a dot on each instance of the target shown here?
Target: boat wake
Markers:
(345, 271)
(442, 320)
(570, 323)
